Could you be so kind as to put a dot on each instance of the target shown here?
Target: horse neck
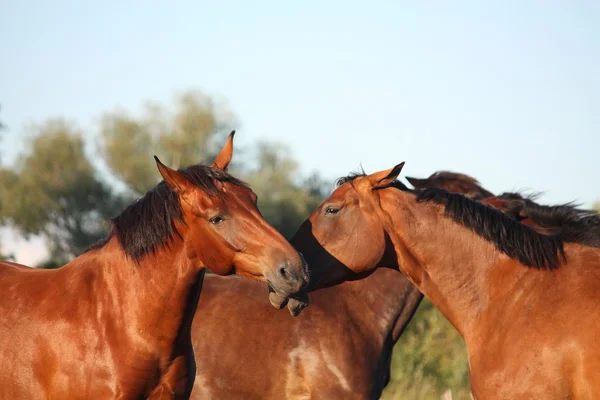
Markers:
(383, 302)
(152, 294)
(447, 262)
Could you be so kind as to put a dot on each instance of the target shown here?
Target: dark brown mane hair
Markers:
(149, 222)
(576, 225)
(514, 239)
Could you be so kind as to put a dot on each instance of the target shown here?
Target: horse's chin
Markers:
(295, 304)
(277, 300)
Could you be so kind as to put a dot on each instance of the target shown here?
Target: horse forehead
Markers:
(239, 199)
(235, 190)
(350, 190)
(231, 197)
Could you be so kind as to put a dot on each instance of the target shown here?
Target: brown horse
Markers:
(115, 321)
(339, 348)
(527, 304)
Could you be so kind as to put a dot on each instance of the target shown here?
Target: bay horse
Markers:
(114, 322)
(526, 304)
(339, 348)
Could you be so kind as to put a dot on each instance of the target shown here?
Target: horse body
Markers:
(115, 322)
(527, 304)
(530, 332)
(340, 348)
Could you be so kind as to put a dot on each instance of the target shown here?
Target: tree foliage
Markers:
(189, 134)
(53, 190)
(194, 132)
(284, 199)
(3, 256)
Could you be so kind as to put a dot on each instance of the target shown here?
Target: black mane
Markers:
(575, 225)
(149, 222)
(514, 239)
(349, 178)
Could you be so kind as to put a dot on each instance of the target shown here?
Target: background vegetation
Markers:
(68, 182)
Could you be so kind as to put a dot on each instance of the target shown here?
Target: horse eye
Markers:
(216, 220)
(331, 210)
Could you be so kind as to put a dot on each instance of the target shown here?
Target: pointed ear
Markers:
(417, 183)
(224, 158)
(179, 183)
(384, 178)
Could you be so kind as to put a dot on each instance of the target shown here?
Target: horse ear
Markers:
(224, 158)
(418, 183)
(179, 183)
(385, 178)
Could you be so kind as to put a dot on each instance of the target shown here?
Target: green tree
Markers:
(53, 190)
(6, 257)
(193, 132)
(284, 200)
(2, 172)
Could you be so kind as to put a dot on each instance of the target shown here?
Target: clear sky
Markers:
(506, 91)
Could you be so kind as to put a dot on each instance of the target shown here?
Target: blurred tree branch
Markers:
(284, 199)
(53, 190)
(192, 133)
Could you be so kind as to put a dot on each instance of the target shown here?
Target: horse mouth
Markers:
(295, 303)
(283, 292)
(277, 300)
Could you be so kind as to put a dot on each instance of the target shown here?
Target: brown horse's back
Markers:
(337, 348)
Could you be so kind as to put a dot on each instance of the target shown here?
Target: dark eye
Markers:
(216, 220)
(331, 211)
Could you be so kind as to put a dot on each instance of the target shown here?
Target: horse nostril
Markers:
(283, 272)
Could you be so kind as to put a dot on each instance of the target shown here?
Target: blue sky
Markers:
(506, 91)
